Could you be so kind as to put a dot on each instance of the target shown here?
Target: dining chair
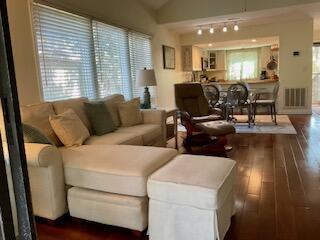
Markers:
(237, 98)
(270, 103)
(212, 93)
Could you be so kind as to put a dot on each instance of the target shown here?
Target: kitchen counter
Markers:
(249, 82)
(267, 84)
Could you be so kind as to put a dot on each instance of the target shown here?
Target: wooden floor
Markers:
(277, 190)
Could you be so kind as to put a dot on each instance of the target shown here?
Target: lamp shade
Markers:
(146, 77)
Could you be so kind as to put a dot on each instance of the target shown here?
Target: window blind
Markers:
(83, 57)
(140, 58)
(65, 52)
(112, 60)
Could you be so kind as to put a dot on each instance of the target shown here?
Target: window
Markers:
(242, 64)
(140, 57)
(83, 57)
(65, 54)
(112, 60)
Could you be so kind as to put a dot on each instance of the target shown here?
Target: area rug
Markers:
(263, 125)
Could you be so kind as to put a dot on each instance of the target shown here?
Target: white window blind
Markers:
(112, 60)
(83, 57)
(65, 53)
(140, 58)
(242, 64)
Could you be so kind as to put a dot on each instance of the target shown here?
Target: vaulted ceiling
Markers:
(154, 4)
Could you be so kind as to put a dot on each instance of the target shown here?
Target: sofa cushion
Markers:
(37, 115)
(198, 181)
(112, 104)
(32, 134)
(150, 133)
(130, 113)
(69, 128)
(76, 105)
(123, 138)
(100, 118)
(113, 168)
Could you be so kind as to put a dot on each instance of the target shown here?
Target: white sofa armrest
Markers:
(46, 177)
(42, 155)
(156, 116)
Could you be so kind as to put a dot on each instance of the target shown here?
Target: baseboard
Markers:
(296, 111)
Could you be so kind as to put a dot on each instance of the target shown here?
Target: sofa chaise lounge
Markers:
(111, 169)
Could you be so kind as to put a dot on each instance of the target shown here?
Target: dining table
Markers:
(254, 93)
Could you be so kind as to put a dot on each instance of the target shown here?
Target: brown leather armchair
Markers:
(206, 129)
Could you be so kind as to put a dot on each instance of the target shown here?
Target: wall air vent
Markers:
(295, 97)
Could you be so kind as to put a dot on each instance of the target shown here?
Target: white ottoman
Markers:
(191, 198)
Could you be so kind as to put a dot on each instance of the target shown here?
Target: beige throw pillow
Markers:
(130, 113)
(69, 128)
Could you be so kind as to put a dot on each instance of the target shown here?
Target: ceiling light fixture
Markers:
(253, 40)
(236, 27)
(225, 29)
(210, 44)
(199, 32)
(211, 30)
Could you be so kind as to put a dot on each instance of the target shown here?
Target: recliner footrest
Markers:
(216, 128)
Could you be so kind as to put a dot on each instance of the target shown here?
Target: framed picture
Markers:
(169, 61)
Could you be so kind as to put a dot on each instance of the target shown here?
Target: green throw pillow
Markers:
(99, 117)
(32, 134)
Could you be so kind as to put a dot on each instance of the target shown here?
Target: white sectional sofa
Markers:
(103, 180)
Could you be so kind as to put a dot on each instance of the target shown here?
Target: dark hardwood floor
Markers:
(277, 190)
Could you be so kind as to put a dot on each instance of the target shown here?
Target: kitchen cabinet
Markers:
(216, 60)
(191, 58)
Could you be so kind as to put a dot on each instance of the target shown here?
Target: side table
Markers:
(173, 112)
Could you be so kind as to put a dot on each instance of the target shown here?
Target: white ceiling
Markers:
(154, 4)
(255, 18)
(240, 44)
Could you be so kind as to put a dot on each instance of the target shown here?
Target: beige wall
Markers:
(171, 12)
(293, 36)
(23, 51)
(133, 16)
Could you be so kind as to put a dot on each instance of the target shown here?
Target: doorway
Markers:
(316, 78)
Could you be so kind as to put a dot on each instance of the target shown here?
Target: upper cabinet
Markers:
(197, 59)
(215, 60)
(191, 58)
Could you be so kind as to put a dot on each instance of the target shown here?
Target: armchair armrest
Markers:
(156, 116)
(216, 111)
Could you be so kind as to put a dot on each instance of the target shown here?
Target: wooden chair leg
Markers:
(254, 114)
(249, 116)
(275, 114)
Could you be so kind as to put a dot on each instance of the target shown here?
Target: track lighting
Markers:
(211, 27)
(225, 29)
(236, 27)
(199, 32)
(211, 30)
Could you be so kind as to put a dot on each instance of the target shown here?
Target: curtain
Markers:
(242, 64)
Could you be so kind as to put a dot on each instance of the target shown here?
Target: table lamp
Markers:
(145, 78)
